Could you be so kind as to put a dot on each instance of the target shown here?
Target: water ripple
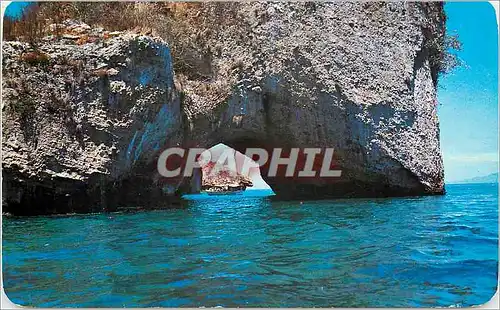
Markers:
(253, 252)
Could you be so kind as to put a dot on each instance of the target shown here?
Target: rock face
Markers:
(82, 130)
(223, 179)
(353, 76)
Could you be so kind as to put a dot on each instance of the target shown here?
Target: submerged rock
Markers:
(83, 128)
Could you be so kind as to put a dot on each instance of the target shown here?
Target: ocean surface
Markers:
(246, 250)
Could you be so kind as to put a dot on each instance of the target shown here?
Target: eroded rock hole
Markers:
(227, 171)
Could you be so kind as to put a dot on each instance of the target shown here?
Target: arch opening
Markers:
(225, 170)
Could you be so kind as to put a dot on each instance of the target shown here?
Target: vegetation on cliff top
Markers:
(183, 25)
(187, 27)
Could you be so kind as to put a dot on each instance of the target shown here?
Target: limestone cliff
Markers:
(354, 76)
(82, 129)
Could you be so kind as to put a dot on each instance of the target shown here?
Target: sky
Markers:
(15, 8)
(468, 96)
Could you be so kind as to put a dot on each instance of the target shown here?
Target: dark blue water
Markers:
(249, 251)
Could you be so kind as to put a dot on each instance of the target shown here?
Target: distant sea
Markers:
(248, 251)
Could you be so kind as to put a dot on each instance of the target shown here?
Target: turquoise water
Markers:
(250, 251)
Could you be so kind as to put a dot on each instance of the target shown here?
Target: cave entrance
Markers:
(226, 170)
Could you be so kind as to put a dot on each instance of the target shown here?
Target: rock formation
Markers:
(81, 132)
(84, 122)
(358, 77)
(222, 178)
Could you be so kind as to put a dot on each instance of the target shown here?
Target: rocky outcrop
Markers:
(221, 178)
(354, 76)
(83, 124)
(81, 130)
